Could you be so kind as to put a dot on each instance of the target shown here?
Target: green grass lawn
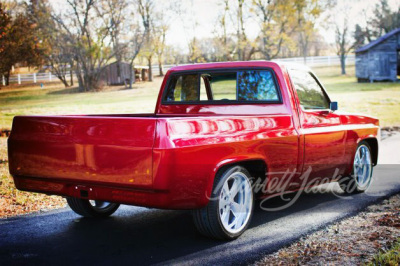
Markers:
(381, 100)
(58, 100)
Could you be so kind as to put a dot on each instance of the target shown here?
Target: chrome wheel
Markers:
(99, 205)
(92, 208)
(235, 202)
(362, 167)
(230, 208)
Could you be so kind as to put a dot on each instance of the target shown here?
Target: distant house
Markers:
(379, 60)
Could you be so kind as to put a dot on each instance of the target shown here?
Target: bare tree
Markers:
(161, 25)
(308, 13)
(61, 59)
(173, 55)
(277, 20)
(146, 12)
(91, 39)
(236, 44)
(384, 19)
(245, 49)
(187, 16)
(241, 33)
(133, 48)
(160, 45)
(223, 38)
(343, 42)
(57, 47)
(195, 52)
(116, 13)
(155, 22)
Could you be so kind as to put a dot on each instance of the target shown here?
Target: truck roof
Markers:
(234, 64)
(238, 64)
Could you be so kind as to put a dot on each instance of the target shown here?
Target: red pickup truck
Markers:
(217, 130)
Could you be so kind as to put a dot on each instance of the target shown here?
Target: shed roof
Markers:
(378, 41)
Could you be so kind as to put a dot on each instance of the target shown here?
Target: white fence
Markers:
(35, 78)
(312, 61)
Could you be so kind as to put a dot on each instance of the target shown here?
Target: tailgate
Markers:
(87, 149)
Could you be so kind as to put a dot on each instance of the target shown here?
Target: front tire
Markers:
(92, 208)
(361, 175)
(229, 212)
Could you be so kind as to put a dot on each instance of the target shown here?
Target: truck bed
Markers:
(101, 149)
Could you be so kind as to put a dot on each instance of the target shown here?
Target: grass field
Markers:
(54, 99)
(381, 100)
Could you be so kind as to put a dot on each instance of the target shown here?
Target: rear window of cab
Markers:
(233, 86)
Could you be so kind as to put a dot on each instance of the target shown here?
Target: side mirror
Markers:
(333, 106)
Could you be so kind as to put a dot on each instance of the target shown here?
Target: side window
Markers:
(223, 85)
(183, 88)
(310, 93)
(256, 86)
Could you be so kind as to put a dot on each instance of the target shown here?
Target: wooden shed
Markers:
(379, 60)
(117, 73)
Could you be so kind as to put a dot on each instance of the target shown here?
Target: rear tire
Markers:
(89, 208)
(229, 212)
(361, 174)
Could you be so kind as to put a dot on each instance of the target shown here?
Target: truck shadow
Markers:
(141, 236)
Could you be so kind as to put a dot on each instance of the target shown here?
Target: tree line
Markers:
(84, 36)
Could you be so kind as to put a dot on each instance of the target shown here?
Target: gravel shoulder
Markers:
(352, 241)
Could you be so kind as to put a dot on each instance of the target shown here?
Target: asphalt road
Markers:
(140, 236)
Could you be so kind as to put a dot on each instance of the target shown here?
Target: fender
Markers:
(373, 143)
(227, 162)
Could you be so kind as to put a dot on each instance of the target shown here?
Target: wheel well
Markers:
(257, 168)
(373, 143)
